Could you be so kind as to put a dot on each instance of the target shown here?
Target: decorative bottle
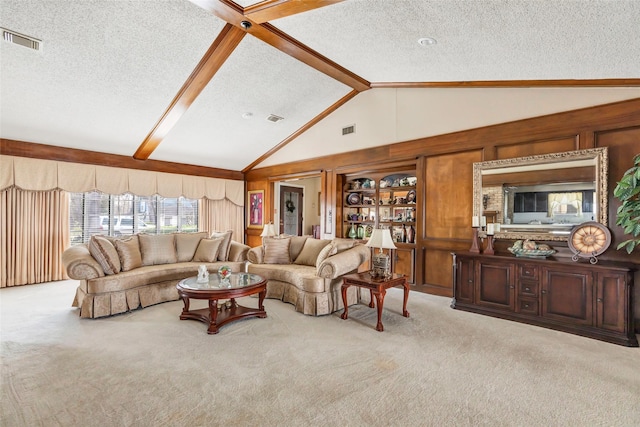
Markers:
(411, 234)
(404, 234)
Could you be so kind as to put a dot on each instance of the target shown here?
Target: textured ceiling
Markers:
(109, 69)
(256, 79)
(476, 40)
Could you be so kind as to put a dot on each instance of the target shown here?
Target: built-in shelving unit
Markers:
(383, 200)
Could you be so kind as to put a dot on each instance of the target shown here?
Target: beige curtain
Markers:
(558, 204)
(221, 215)
(34, 233)
(44, 175)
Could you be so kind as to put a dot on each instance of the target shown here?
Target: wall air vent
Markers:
(275, 119)
(21, 39)
(348, 129)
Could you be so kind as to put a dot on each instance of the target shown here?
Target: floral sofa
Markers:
(122, 274)
(307, 272)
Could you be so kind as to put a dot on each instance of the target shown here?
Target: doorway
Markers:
(291, 204)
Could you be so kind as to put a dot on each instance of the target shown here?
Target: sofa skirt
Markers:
(313, 303)
(110, 303)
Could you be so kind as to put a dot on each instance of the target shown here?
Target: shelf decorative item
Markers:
(353, 199)
(588, 240)
(475, 246)
(411, 234)
(530, 249)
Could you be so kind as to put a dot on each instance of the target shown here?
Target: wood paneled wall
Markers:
(445, 169)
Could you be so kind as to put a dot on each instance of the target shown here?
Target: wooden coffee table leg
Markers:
(213, 313)
(380, 302)
(185, 310)
(261, 297)
(345, 314)
(405, 313)
(371, 303)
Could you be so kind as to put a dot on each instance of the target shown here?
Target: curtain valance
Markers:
(43, 175)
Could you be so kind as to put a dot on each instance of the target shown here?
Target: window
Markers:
(98, 213)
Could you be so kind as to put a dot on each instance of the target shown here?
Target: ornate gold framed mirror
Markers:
(542, 197)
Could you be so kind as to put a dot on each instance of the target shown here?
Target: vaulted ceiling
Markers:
(188, 82)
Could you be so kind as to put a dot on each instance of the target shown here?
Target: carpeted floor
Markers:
(440, 367)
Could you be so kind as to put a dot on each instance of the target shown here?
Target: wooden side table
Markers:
(377, 287)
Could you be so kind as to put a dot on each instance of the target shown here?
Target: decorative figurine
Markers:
(203, 274)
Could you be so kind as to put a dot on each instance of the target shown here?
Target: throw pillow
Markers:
(309, 254)
(276, 251)
(343, 244)
(157, 249)
(208, 250)
(129, 253)
(225, 246)
(186, 245)
(105, 253)
(325, 253)
(297, 243)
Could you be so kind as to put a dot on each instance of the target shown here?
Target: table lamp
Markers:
(381, 239)
(267, 231)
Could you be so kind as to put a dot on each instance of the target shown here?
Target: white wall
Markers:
(386, 116)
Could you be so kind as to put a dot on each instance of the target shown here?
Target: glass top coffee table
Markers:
(235, 286)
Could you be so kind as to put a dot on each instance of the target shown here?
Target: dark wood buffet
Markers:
(592, 300)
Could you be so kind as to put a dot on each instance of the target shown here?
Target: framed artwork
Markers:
(399, 214)
(256, 208)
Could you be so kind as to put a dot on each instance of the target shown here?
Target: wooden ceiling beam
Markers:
(269, 10)
(233, 14)
(10, 147)
(216, 55)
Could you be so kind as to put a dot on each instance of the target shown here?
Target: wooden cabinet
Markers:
(383, 200)
(495, 287)
(590, 300)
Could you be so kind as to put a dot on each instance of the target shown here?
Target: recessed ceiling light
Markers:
(247, 115)
(426, 41)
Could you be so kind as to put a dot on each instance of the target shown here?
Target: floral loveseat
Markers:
(307, 272)
(122, 274)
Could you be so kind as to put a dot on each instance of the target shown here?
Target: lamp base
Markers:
(381, 266)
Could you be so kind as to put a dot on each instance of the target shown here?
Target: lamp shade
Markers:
(381, 238)
(268, 230)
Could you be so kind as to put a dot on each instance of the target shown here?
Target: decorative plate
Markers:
(588, 240)
(353, 199)
(411, 196)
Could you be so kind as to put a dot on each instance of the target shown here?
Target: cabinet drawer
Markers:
(528, 271)
(528, 306)
(528, 287)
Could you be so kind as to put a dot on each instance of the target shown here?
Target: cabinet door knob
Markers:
(511, 287)
(527, 289)
(599, 299)
(526, 306)
(544, 291)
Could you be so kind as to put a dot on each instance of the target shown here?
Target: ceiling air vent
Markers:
(275, 119)
(21, 39)
(348, 129)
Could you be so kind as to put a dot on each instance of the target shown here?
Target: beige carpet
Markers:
(440, 367)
